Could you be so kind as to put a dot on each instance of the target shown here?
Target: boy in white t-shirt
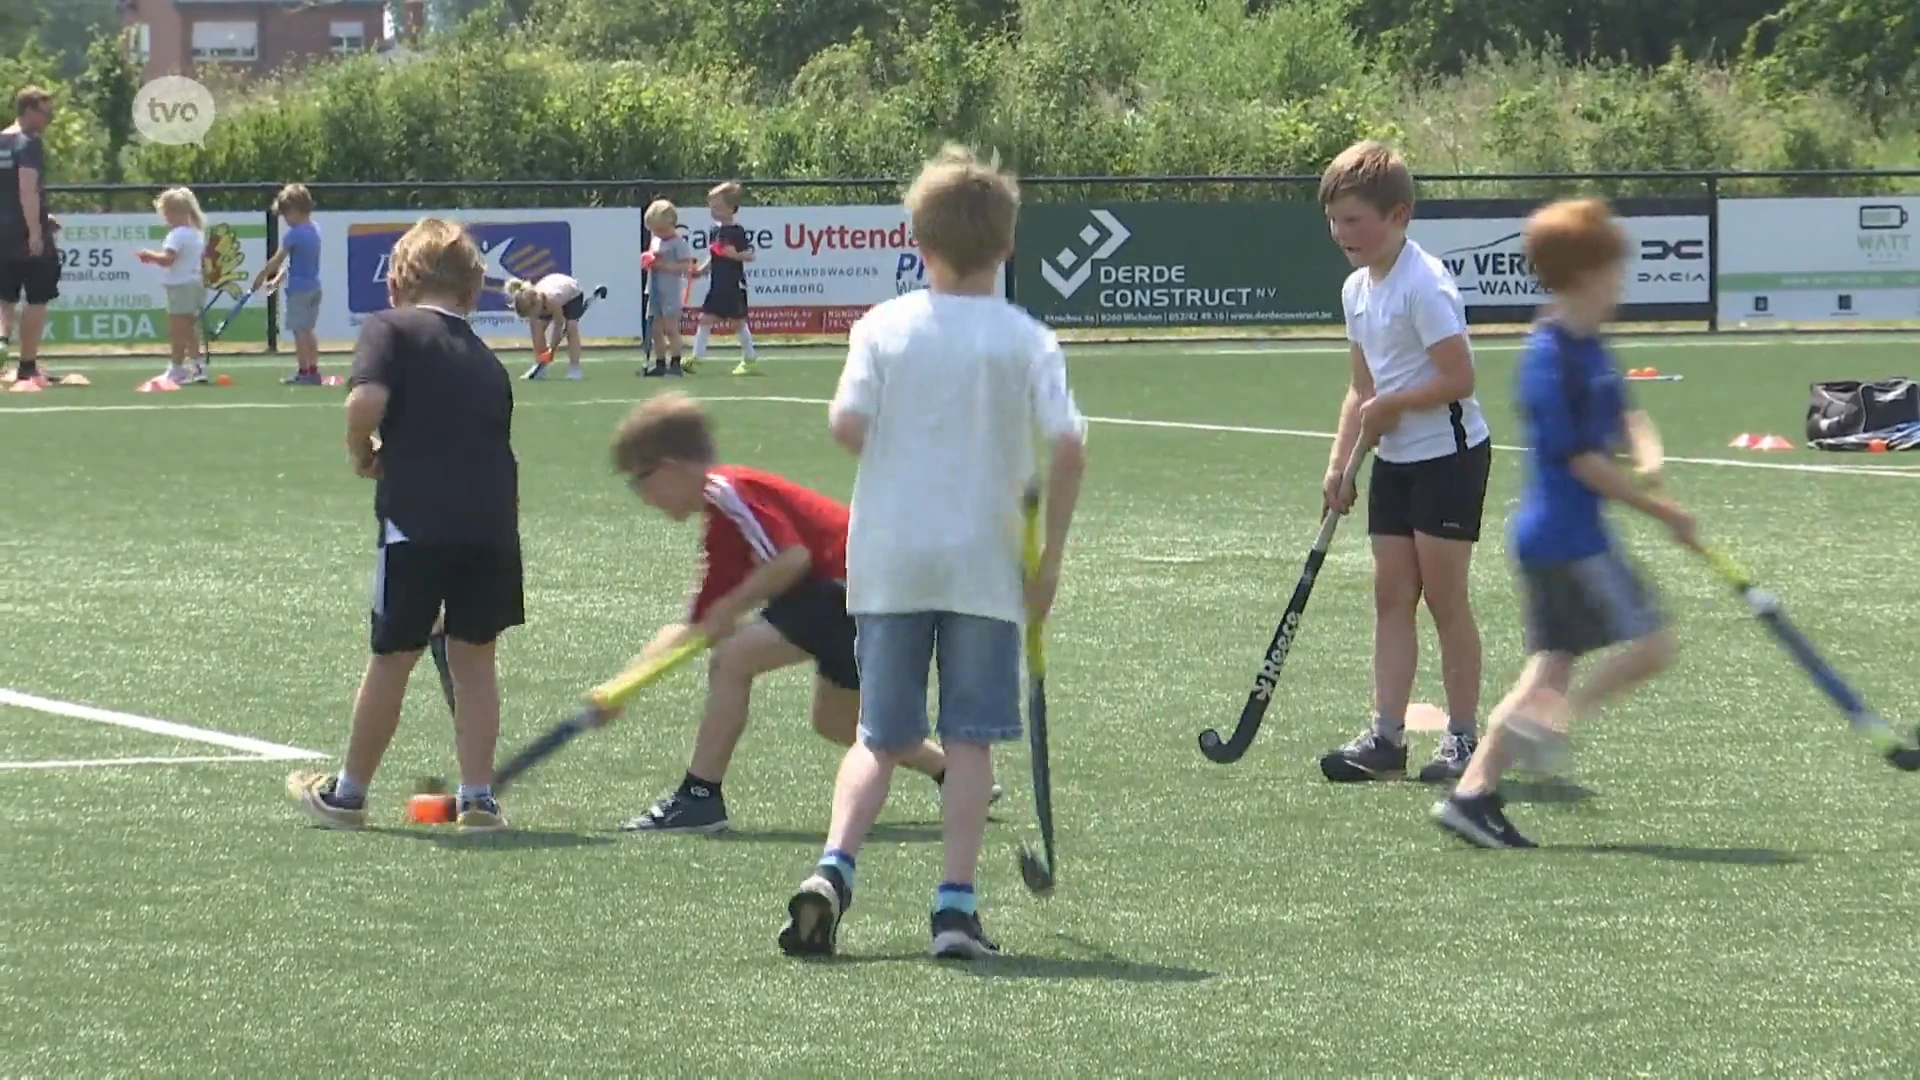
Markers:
(942, 396)
(1412, 398)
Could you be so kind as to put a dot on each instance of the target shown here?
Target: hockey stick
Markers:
(1899, 751)
(1228, 751)
(609, 694)
(1038, 874)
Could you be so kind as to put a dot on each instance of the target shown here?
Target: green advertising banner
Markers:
(107, 297)
(1178, 264)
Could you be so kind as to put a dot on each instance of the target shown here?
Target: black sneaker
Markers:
(674, 370)
(813, 915)
(1450, 761)
(1480, 820)
(654, 372)
(682, 812)
(957, 936)
(1367, 756)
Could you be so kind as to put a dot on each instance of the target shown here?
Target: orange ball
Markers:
(430, 809)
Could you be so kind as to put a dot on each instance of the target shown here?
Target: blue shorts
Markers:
(979, 665)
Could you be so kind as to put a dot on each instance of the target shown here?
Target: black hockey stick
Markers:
(1038, 874)
(1228, 751)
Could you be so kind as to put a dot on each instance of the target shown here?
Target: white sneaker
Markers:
(574, 374)
(198, 374)
(177, 374)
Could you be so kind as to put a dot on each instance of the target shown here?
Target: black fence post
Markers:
(273, 298)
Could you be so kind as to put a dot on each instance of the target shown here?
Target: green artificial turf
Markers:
(1728, 889)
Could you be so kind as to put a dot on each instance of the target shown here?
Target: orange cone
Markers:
(223, 380)
(333, 380)
(24, 386)
(75, 379)
(1744, 441)
(1774, 442)
(156, 386)
(1877, 446)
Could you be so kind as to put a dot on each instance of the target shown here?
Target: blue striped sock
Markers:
(952, 897)
(842, 864)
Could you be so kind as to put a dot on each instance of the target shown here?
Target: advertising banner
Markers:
(1819, 260)
(816, 270)
(598, 247)
(108, 297)
(1479, 240)
(1178, 264)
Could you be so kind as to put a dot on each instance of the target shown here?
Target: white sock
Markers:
(700, 342)
(746, 341)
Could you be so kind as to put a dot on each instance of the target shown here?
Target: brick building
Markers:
(174, 37)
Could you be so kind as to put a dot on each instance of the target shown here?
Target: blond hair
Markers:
(661, 215)
(524, 297)
(436, 258)
(1372, 172)
(293, 198)
(728, 194)
(1569, 239)
(669, 427)
(964, 210)
(181, 201)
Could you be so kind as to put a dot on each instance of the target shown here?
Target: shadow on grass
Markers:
(1669, 853)
(1551, 789)
(905, 832)
(1101, 966)
(508, 840)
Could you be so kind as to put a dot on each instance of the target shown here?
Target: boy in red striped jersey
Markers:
(772, 547)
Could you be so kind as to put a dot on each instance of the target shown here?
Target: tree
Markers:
(1867, 50)
(107, 90)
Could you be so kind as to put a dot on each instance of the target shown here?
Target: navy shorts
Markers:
(1586, 605)
(1443, 497)
(478, 587)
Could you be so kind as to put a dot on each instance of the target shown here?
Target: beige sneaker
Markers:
(312, 791)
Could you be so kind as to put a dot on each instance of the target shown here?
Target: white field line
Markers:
(260, 749)
(1909, 472)
(111, 763)
(1105, 350)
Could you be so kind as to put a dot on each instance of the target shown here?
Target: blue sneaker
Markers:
(302, 378)
(480, 814)
(958, 936)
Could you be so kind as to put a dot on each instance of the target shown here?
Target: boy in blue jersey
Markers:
(1581, 594)
(295, 271)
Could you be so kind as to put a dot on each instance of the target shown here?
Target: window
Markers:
(347, 37)
(142, 43)
(237, 41)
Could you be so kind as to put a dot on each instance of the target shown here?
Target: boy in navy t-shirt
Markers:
(1581, 594)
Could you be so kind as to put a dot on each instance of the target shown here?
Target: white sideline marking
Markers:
(1908, 472)
(107, 763)
(259, 748)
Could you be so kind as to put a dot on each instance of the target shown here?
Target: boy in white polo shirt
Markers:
(942, 396)
(1412, 396)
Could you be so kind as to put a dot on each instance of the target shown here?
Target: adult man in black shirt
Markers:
(29, 263)
(430, 419)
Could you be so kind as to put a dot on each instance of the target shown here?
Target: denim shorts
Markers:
(979, 664)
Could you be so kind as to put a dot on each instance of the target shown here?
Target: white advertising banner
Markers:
(598, 247)
(1819, 260)
(1667, 265)
(108, 297)
(817, 268)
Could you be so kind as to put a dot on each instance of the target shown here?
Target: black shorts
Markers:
(1586, 605)
(1442, 497)
(478, 586)
(813, 615)
(34, 280)
(728, 304)
(573, 310)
